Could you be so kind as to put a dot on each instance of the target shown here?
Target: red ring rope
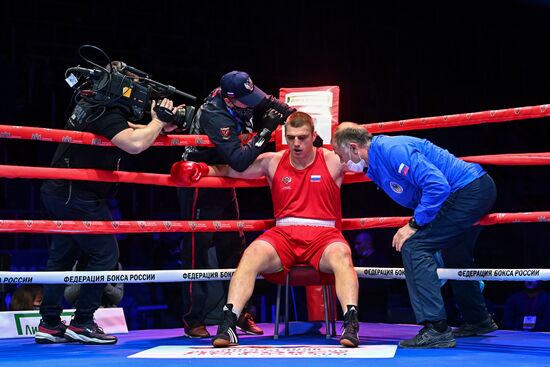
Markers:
(463, 119)
(165, 180)
(156, 226)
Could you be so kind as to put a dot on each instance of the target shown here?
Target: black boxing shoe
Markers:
(226, 336)
(350, 336)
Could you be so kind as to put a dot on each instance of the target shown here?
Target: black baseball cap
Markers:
(238, 85)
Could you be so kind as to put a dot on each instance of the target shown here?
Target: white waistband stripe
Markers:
(294, 221)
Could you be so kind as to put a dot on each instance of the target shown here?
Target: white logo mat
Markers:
(268, 351)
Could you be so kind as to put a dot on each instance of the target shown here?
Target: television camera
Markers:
(124, 86)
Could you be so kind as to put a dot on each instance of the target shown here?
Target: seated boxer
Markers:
(305, 188)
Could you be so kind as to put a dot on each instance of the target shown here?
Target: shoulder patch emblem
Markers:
(396, 187)
(224, 132)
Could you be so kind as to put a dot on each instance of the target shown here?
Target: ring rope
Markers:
(168, 276)
(463, 119)
(86, 138)
(525, 159)
(88, 174)
(156, 226)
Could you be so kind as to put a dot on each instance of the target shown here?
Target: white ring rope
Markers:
(168, 276)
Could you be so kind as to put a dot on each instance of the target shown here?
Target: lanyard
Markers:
(239, 121)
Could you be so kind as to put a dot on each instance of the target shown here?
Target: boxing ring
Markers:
(378, 341)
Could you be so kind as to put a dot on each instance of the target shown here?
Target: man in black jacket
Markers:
(86, 200)
(226, 116)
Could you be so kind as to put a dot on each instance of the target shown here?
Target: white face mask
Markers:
(356, 167)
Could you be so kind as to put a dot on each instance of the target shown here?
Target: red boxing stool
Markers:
(300, 276)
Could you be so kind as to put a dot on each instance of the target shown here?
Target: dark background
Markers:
(392, 60)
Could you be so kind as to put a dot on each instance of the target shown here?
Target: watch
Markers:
(413, 224)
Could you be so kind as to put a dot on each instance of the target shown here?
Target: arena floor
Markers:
(169, 348)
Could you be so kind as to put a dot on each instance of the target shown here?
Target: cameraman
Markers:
(86, 200)
(226, 116)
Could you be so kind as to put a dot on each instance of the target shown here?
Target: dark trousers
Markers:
(102, 251)
(203, 301)
(452, 233)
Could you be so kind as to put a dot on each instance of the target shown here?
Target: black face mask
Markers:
(245, 114)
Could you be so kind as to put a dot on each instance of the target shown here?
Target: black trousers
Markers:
(453, 233)
(64, 250)
(203, 301)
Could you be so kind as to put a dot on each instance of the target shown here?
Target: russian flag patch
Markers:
(403, 169)
(315, 178)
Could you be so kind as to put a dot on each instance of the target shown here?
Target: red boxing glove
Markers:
(187, 172)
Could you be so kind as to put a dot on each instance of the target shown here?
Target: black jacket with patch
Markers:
(223, 127)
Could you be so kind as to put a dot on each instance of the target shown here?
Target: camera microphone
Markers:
(168, 89)
(136, 71)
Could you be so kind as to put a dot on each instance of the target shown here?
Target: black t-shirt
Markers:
(111, 122)
(223, 128)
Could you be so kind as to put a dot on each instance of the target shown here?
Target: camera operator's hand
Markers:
(136, 138)
(164, 112)
(184, 173)
(270, 120)
(169, 128)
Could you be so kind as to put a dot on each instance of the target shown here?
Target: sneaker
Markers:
(89, 333)
(198, 331)
(247, 325)
(350, 337)
(428, 337)
(47, 334)
(227, 333)
(484, 327)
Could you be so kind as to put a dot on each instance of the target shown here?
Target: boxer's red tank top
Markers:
(307, 193)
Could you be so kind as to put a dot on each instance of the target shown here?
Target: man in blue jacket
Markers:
(448, 196)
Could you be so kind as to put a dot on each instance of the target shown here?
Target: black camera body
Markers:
(121, 85)
(117, 89)
(133, 94)
(183, 117)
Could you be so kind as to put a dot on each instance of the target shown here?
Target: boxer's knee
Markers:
(337, 255)
(260, 256)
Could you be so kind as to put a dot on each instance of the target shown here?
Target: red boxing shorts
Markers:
(300, 245)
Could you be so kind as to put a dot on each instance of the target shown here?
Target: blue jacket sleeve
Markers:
(223, 134)
(433, 184)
